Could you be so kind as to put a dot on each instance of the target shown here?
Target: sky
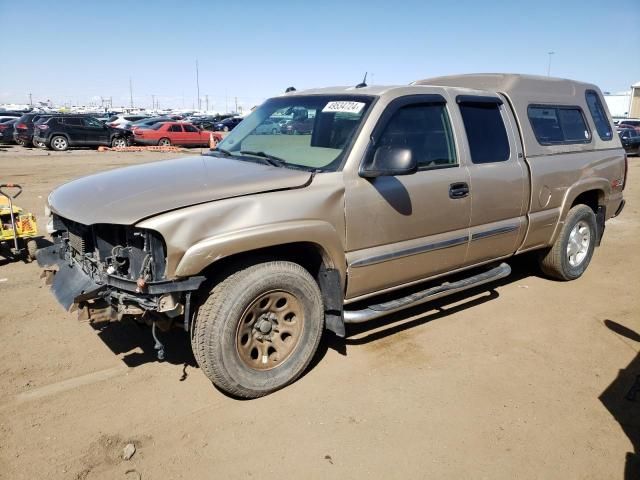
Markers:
(74, 52)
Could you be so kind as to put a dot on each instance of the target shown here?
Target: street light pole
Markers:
(549, 64)
(198, 83)
(131, 92)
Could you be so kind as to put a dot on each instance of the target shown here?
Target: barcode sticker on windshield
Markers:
(345, 107)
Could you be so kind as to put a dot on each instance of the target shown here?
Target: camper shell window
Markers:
(558, 124)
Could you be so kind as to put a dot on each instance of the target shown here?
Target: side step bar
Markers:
(379, 310)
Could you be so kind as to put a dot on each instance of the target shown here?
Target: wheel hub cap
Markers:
(578, 244)
(269, 330)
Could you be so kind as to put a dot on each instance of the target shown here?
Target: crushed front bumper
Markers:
(74, 284)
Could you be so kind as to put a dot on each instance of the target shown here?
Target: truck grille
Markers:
(77, 242)
(79, 236)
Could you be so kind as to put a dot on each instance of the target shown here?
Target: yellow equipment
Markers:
(18, 230)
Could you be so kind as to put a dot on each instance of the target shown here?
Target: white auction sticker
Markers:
(345, 107)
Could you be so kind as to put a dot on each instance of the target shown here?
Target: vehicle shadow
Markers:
(360, 334)
(622, 399)
(136, 342)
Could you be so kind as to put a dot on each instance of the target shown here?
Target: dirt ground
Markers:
(529, 378)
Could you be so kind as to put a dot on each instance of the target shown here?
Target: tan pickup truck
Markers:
(322, 200)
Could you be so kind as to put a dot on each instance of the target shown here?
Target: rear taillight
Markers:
(626, 169)
(22, 126)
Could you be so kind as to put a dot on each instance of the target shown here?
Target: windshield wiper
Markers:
(269, 159)
(227, 153)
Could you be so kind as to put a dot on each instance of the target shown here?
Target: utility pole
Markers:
(153, 101)
(131, 92)
(236, 104)
(30, 99)
(207, 101)
(549, 64)
(198, 83)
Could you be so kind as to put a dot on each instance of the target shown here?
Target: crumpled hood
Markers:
(127, 195)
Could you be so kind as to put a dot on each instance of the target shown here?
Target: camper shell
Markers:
(524, 91)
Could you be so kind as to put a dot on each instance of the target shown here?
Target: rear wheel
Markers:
(571, 253)
(164, 142)
(119, 142)
(59, 143)
(259, 328)
(225, 129)
(20, 142)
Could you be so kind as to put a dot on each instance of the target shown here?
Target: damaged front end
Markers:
(110, 271)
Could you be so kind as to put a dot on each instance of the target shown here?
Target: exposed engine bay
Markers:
(111, 271)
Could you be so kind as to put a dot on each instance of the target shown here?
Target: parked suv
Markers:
(61, 132)
(398, 195)
(24, 128)
(629, 137)
(630, 123)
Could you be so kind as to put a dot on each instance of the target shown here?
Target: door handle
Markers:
(458, 190)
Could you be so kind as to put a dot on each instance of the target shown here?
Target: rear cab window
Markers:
(558, 124)
(486, 132)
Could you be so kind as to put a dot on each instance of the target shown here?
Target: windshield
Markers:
(301, 131)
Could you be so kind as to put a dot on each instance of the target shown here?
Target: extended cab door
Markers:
(499, 184)
(401, 229)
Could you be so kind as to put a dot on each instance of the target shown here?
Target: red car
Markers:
(174, 133)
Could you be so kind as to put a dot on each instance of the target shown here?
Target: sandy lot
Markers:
(527, 379)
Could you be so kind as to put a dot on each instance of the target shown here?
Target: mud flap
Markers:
(601, 216)
(331, 288)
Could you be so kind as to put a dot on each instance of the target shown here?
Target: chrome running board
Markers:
(381, 309)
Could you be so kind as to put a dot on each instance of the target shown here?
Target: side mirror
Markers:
(389, 161)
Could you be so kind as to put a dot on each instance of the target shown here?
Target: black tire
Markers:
(164, 142)
(59, 143)
(555, 262)
(21, 142)
(221, 318)
(274, 131)
(119, 142)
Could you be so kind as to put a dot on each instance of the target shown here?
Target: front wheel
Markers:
(571, 253)
(119, 142)
(164, 142)
(259, 328)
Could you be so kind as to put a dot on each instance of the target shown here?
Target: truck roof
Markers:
(521, 92)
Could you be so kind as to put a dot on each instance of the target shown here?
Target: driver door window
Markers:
(426, 131)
